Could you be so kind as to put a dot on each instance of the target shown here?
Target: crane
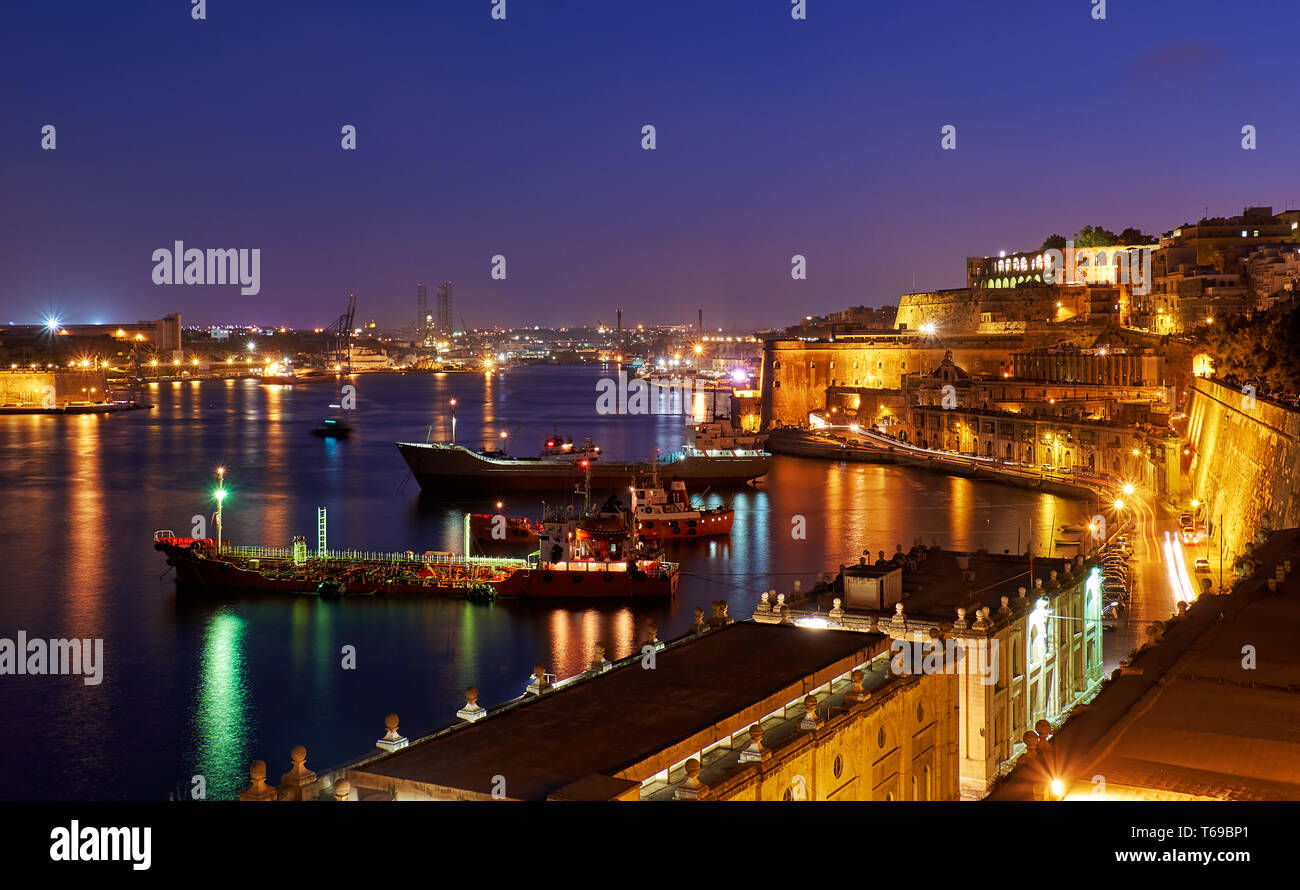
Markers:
(339, 336)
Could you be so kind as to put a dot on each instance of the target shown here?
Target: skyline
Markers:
(478, 138)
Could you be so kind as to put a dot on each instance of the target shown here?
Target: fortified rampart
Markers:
(1245, 464)
(969, 311)
(32, 387)
(796, 373)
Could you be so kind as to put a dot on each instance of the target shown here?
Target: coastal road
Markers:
(1162, 574)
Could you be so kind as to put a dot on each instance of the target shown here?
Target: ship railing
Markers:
(414, 560)
(163, 533)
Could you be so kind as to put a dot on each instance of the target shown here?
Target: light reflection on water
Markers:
(211, 686)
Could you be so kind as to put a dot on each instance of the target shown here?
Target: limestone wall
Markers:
(1246, 462)
(30, 387)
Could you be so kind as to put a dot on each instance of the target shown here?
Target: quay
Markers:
(871, 447)
(76, 408)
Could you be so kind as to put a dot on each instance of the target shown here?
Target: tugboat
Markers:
(669, 513)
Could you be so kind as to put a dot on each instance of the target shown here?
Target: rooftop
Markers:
(630, 723)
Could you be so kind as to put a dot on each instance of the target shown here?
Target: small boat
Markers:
(669, 513)
(333, 428)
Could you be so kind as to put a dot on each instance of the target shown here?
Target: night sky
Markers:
(478, 137)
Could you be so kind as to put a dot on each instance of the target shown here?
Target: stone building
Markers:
(732, 711)
(1190, 718)
(1022, 650)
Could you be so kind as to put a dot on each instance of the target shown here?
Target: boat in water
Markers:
(583, 555)
(715, 455)
(669, 513)
(333, 427)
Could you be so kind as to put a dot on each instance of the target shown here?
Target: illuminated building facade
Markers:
(1025, 651)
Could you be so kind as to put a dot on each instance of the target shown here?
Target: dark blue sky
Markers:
(522, 138)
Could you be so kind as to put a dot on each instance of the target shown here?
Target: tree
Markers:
(1136, 236)
(1090, 236)
(1263, 349)
(1053, 241)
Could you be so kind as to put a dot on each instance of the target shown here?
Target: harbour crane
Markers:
(339, 336)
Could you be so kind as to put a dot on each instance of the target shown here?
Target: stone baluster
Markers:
(342, 790)
(540, 685)
(856, 694)
(754, 752)
(652, 638)
(837, 610)
(392, 740)
(692, 788)
(257, 788)
(599, 663)
(472, 710)
(810, 721)
(299, 782)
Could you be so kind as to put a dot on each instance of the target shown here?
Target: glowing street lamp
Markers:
(1119, 505)
(1128, 488)
(453, 421)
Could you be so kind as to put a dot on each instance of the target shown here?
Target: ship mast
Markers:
(220, 494)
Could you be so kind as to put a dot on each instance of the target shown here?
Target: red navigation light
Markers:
(550, 443)
(584, 463)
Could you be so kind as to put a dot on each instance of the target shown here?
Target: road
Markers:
(1163, 573)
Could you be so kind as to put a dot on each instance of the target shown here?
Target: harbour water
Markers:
(202, 688)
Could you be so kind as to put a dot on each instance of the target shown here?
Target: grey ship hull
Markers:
(452, 469)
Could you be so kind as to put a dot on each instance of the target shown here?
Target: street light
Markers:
(453, 421)
(1128, 488)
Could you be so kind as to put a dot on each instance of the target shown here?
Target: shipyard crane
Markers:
(339, 336)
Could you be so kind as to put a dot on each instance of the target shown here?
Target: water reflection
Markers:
(221, 713)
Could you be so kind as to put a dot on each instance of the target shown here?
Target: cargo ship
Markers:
(716, 455)
(578, 557)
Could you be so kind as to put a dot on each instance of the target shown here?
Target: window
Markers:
(880, 737)
(838, 767)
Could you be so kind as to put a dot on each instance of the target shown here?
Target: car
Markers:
(1202, 564)
(1185, 519)
(1110, 616)
(1189, 535)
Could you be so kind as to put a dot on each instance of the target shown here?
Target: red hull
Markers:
(707, 526)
